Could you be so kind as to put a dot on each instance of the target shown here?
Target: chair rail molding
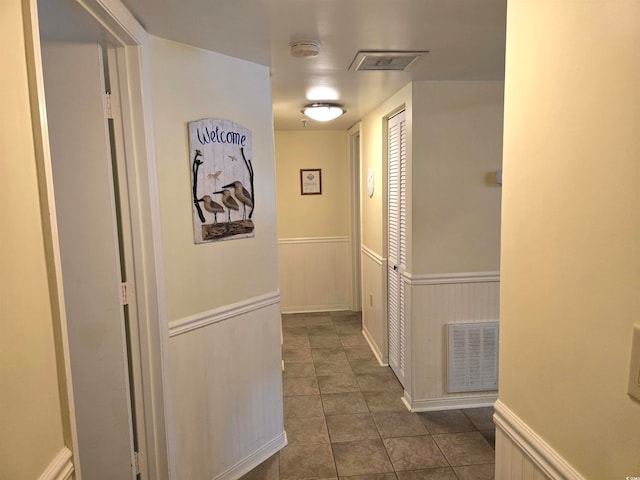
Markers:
(61, 468)
(200, 320)
(447, 278)
(516, 438)
(305, 240)
(372, 255)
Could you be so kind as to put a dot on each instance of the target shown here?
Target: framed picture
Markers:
(310, 181)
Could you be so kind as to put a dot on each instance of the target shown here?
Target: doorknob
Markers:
(395, 267)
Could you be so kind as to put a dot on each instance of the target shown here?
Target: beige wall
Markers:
(190, 84)
(571, 228)
(454, 147)
(457, 131)
(325, 215)
(31, 432)
(226, 412)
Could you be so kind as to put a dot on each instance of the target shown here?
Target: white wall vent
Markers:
(472, 357)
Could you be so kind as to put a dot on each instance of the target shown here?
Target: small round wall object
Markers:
(371, 182)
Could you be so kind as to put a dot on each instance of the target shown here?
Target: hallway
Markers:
(344, 417)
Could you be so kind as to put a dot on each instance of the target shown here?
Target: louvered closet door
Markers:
(397, 244)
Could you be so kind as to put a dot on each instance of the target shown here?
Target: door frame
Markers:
(385, 222)
(131, 44)
(355, 149)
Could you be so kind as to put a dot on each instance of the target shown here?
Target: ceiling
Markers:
(465, 40)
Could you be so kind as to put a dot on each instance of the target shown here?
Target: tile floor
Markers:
(344, 418)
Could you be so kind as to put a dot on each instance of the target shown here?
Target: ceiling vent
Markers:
(385, 60)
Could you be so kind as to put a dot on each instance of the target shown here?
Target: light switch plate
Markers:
(634, 369)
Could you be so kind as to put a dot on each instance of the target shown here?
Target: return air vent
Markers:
(384, 60)
(472, 357)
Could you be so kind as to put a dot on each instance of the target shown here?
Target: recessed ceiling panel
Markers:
(385, 60)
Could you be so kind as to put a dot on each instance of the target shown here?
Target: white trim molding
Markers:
(447, 278)
(199, 320)
(340, 307)
(372, 255)
(307, 240)
(61, 468)
(374, 348)
(250, 462)
(542, 455)
(450, 403)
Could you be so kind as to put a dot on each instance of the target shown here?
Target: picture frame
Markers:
(310, 181)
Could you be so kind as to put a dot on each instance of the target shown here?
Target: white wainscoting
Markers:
(521, 454)
(437, 300)
(315, 274)
(374, 303)
(226, 381)
(60, 468)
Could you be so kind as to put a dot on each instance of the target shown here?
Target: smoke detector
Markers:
(305, 49)
(385, 60)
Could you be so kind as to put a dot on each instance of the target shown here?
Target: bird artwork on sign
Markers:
(229, 202)
(222, 180)
(242, 195)
(212, 207)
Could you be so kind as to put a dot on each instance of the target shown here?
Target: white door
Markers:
(396, 191)
(90, 258)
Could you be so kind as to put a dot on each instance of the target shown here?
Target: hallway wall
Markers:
(373, 217)
(313, 230)
(455, 227)
(457, 131)
(454, 132)
(222, 297)
(190, 84)
(31, 420)
(571, 230)
(325, 215)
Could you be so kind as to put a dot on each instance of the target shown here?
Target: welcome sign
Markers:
(221, 180)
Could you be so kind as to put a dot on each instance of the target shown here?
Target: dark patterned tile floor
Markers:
(345, 421)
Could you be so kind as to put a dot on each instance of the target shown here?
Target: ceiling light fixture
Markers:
(323, 112)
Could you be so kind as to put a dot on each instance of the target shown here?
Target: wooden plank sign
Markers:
(222, 190)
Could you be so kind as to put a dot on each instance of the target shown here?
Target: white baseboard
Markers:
(250, 462)
(543, 457)
(450, 403)
(406, 400)
(374, 348)
(61, 468)
(315, 308)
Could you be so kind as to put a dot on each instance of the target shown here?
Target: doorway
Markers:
(87, 204)
(356, 226)
(92, 154)
(396, 243)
